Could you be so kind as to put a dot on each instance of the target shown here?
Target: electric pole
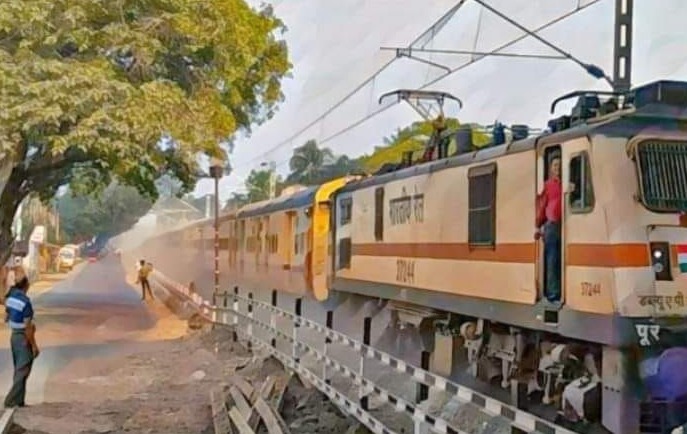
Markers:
(622, 49)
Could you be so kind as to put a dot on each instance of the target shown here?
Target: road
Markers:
(94, 312)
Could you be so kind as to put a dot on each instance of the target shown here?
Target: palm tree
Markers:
(307, 162)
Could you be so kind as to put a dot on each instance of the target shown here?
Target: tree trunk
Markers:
(11, 196)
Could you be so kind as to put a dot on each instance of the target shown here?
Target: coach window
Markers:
(482, 206)
(344, 253)
(346, 208)
(581, 197)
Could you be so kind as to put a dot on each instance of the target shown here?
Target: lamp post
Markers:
(272, 167)
(216, 172)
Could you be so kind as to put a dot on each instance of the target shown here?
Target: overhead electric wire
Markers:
(463, 66)
(473, 53)
(587, 67)
(366, 118)
(440, 23)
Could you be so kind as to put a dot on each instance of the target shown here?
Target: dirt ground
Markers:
(164, 388)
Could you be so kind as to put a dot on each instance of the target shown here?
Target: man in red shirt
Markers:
(549, 220)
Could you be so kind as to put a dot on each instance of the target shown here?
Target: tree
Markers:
(307, 162)
(343, 166)
(412, 139)
(312, 165)
(90, 89)
(236, 201)
(258, 185)
(168, 186)
(114, 211)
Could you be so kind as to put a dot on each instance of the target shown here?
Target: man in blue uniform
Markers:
(24, 349)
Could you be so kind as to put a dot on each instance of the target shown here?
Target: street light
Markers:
(216, 172)
(272, 167)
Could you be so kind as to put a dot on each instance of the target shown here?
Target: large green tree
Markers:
(93, 91)
(113, 211)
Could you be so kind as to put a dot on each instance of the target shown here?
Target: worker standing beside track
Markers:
(19, 316)
(143, 273)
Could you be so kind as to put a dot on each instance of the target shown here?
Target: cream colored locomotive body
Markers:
(457, 236)
(424, 253)
(455, 239)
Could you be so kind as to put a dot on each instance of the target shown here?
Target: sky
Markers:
(334, 46)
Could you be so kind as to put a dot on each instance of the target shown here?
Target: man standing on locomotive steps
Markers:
(549, 223)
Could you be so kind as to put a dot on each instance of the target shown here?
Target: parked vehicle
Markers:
(66, 258)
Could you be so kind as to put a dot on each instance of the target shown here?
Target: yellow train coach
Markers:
(279, 243)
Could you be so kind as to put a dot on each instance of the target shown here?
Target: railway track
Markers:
(363, 381)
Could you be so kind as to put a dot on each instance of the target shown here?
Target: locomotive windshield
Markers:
(662, 170)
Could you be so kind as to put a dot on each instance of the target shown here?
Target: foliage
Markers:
(89, 89)
(168, 186)
(312, 165)
(258, 185)
(114, 211)
(412, 138)
(35, 213)
(307, 161)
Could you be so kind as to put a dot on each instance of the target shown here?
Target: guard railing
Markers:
(230, 312)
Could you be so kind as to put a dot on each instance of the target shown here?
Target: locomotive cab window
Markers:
(482, 206)
(581, 197)
(345, 213)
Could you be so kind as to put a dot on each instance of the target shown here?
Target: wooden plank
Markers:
(267, 415)
(220, 417)
(240, 402)
(6, 420)
(282, 423)
(243, 386)
(279, 391)
(265, 390)
(239, 422)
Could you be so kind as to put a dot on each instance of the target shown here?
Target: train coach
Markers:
(454, 240)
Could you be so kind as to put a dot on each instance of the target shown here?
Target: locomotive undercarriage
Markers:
(555, 378)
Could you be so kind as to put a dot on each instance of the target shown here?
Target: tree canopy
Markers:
(312, 165)
(412, 138)
(114, 211)
(129, 90)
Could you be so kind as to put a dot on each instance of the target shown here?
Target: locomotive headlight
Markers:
(660, 260)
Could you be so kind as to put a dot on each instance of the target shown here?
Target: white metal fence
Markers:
(238, 310)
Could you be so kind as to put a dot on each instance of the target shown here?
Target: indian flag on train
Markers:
(682, 257)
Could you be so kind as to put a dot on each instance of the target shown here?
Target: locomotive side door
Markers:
(544, 159)
(580, 225)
